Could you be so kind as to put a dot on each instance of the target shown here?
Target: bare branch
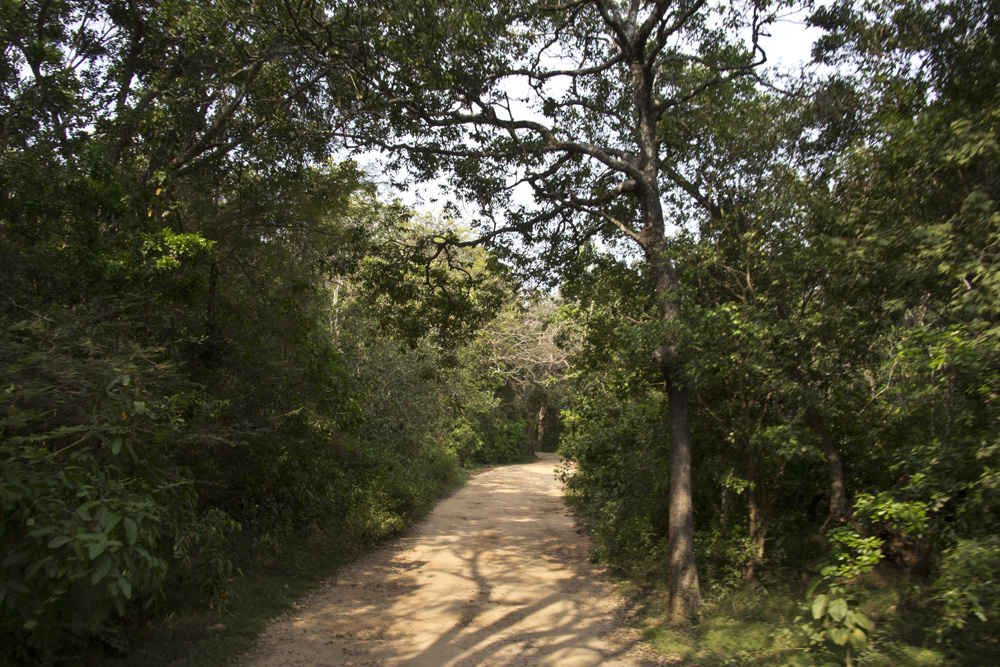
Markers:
(545, 75)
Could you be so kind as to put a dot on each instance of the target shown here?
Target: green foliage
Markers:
(416, 281)
(501, 380)
(488, 438)
(967, 589)
(176, 361)
(86, 542)
(725, 557)
(880, 512)
(619, 476)
(98, 521)
(395, 491)
(205, 323)
(852, 554)
(832, 623)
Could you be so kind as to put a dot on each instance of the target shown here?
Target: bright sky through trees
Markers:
(787, 46)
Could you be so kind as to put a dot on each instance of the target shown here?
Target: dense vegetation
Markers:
(777, 366)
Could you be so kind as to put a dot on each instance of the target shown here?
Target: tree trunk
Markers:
(685, 594)
(835, 468)
(726, 512)
(759, 513)
(540, 428)
(213, 281)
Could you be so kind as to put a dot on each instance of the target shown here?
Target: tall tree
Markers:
(579, 104)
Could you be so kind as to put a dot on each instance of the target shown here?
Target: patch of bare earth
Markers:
(497, 574)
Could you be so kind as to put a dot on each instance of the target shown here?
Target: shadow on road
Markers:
(496, 575)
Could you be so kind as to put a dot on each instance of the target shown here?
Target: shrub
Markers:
(85, 545)
(968, 589)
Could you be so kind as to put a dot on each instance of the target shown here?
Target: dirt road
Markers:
(497, 574)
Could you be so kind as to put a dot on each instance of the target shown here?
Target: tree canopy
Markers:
(757, 311)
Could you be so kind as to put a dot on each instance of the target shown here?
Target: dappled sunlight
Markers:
(496, 575)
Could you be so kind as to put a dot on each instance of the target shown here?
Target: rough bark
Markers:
(759, 511)
(685, 592)
(835, 469)
(539, 429)
(213, 280)
(726, 512)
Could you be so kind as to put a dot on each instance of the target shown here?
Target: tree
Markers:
(913, 207)
(159, 235)
(517, 353)
(577, 102)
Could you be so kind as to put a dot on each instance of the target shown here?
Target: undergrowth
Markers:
(752, 625)
(279, 570)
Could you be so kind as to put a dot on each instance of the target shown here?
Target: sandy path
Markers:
(497, 574)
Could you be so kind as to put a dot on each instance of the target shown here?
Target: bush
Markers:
(968, 589)
(392, 491)
(488, 438)
(623, 494)
(85, 545)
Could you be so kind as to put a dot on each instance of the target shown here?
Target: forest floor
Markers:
(497, 574)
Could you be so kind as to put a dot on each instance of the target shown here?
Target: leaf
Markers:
(59, 541)
(43, 531)
(112, 521)
(860, 620)
(34, 567)
(838, 609)
(18, 587)
(838, 635)
(14, 558)
(858, 638)
(83, 511)
(125, 586)
(102, 612)
(819, 606)
(97, 547)
(116, 445)
(103, 567)
(131, 529)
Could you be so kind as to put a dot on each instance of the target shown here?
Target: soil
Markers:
(497, 574)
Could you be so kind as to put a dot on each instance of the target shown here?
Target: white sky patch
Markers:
(788, 45)
(790, 41)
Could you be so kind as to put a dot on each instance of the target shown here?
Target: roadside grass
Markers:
(755, 626)
(277, 571)
(271, 584)
(743, 626)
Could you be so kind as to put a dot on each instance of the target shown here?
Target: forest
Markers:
(756, 306)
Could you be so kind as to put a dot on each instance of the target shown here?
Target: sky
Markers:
(791, 40)
(787, 47)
